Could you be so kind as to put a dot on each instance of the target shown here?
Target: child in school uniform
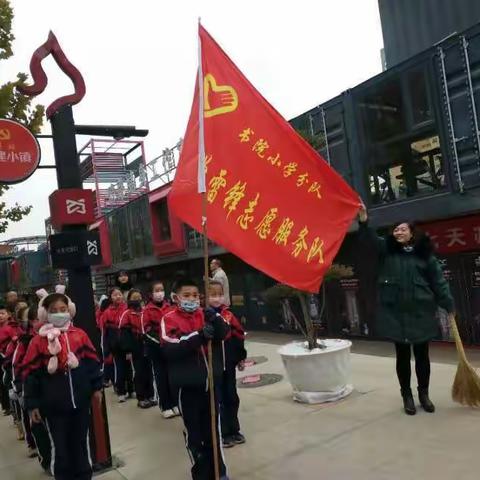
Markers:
(235, 354)
(122, 370)
(62, 374)
(108, 370)
(131, 344)
(36, 435)
(5, 333)
(152, 316)
(9, 333)
(185, 333)
(8, 357)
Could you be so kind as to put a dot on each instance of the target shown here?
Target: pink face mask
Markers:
(216, 302)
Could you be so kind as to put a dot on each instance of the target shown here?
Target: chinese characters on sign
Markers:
(452, 236)
(19, 152)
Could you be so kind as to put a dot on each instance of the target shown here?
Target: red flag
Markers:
(272, 199)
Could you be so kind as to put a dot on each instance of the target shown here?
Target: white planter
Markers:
(319, 375)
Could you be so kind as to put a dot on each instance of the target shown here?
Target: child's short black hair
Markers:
(214, 283)
(155, 283)
(32, 313)
(110, 292)
(132, 291)
(3, 306)
(183, 282)
(54, 297)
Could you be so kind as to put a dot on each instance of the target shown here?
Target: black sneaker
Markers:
(238, 439)
(144, 404)
(228, 442)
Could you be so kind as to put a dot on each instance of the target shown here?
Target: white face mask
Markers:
(59, 319)
(158, 296)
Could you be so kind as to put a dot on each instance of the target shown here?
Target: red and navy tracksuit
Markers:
(36, 434)
(107, 359)
(64, 399)
(152, 316)
(131, 341)
(8, 332)
(235, 352)
(123, 371)
(185, 347)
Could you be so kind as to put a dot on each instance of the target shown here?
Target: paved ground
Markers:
(365, 437)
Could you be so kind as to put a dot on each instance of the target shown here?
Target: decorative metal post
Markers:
(68, 177)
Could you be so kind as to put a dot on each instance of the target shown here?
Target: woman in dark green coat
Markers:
(411, 287)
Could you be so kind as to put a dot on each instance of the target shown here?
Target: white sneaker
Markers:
(122, 398)
(168, 414)
(176, 411)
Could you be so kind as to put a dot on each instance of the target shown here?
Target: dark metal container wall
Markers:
(410, 26)
(434, 96)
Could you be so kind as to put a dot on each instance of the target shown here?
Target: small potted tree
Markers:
(318, 370)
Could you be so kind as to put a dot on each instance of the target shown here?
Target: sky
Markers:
(139, 62)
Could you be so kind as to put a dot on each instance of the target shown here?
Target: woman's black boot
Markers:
(408, 403)
(425, 401)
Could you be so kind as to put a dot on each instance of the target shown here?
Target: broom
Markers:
(466, 386)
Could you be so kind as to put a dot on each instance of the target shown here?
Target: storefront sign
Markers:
(71, 206)
(19, 152)
(75, 249)
(453, 236)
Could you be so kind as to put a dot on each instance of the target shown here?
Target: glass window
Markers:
(420, 103)
(130, 231)
(140, 228)
(195, 239)
(161, 211)
(383, 112)
(122, 233)
(402, 143)
(404, 169)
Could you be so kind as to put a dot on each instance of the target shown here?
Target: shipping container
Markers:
(408, 139)
(411, 26)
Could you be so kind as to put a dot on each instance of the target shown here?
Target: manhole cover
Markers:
(251, 361)
(260, 380)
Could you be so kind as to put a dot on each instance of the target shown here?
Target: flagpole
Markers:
(202, 189)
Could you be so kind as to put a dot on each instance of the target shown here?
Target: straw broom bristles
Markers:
(466, 386)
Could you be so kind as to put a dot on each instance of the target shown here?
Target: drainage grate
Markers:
(258, 380)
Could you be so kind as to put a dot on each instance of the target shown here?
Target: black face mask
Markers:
(135, 304)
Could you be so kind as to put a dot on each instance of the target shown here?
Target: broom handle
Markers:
(458, 339)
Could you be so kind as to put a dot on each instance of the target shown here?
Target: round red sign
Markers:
(19, 152)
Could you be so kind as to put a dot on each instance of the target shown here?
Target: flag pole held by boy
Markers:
(253, 172)
(202, 190)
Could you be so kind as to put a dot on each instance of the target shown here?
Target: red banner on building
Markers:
(272, 200)
(456, 235)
